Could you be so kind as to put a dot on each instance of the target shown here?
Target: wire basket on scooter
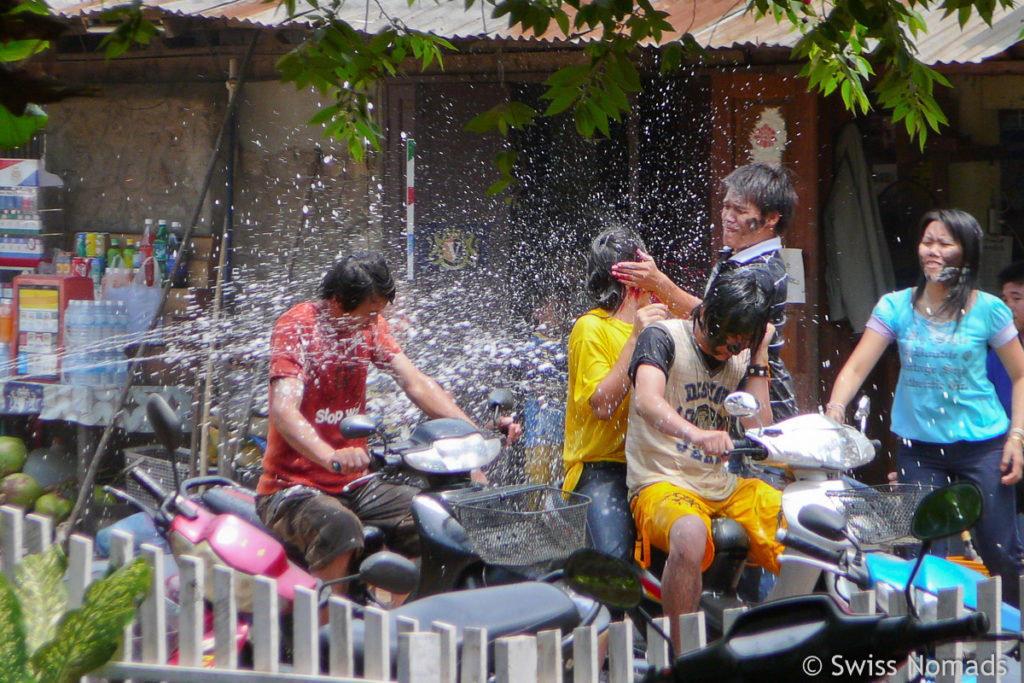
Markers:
(880, 515)
(523, 525)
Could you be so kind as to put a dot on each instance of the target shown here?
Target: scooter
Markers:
(818, 451)
(471, 535)
(224, 539)
(799, 638)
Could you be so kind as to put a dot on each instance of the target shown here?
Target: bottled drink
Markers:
(75, 341)
(147, 233)
(115, 259)
(161, 244)
(177, 268)
(128, 253)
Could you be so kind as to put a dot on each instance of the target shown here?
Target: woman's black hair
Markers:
(610, 247)
(739, 303)
(963, 280)
(354, 278)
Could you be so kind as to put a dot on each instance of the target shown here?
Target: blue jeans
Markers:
(609, 519)
(996, 536)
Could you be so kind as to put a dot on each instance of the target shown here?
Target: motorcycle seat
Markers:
(508, 610)
(241, 502)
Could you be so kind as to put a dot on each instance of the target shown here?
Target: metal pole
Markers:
(410, 208)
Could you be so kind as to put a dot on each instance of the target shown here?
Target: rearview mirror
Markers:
(604, 578)
(500, 398)
(358, 426)
(742, 404)
(164, 421)
(948, 511)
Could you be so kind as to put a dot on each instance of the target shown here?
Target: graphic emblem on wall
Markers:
(453, 249)
(768, 139)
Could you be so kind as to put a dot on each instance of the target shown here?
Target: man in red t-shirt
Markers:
(318, 364)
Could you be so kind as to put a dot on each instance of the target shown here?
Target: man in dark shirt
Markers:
(758, 205)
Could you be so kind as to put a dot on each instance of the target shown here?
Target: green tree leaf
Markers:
(89, 636)
(39, 584)
(13, 652)
(15, 131)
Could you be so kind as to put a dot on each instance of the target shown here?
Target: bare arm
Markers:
(758, 386)
(649, 399)
(861, 362)
(286, 397)
(1012, 356)
(613, 389)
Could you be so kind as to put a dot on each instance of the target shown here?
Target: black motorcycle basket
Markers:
(524, 525)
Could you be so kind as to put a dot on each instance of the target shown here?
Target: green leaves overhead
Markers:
(17, 130)
(132, 29)
(346, 66)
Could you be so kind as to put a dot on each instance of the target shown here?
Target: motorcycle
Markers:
(223, 539)
(787, 639)
(818, 451)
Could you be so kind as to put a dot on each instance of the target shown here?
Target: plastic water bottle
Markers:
(94, 355)
(74, 342)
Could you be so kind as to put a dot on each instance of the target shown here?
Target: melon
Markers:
(12, 455)
(19, 489)
(52, 505)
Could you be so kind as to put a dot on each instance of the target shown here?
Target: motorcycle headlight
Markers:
(449, 456)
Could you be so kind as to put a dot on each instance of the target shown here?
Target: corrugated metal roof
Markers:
(716, 24)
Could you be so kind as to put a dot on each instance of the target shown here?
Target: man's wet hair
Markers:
(1012, 273)
(353, 279)
(767, 187)
(739, 303)
(610, 247)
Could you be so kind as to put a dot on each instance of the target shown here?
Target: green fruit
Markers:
(101, 497)
(52, 505)
(12, 455)
(19, 489)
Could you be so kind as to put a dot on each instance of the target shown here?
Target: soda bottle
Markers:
(160, 249)
(128, 253)
(115, 259)
(147, 233)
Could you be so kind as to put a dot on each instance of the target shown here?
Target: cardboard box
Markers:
(200, 273)
(26, 173)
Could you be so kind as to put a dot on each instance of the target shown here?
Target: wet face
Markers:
(721, 346)
(743, 225)
(363, 316)
(1013, 296)
(938, 250)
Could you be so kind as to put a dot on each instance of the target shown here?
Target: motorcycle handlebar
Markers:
(751, 449)
(973, 625)
(807, 548)
(148, 483)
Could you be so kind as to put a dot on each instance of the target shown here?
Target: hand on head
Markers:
(642, 273)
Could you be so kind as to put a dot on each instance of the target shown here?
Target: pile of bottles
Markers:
(154, 252)
(95, 333)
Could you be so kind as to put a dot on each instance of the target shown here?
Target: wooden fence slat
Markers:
(896, 606)
(657, 646)
(12, 539)
(153, 610)
(79, 569)
(586, 668)
(266, 625)
(473, 668)
(305, 631)
(950, 606)
(38, 533)
(406, 625)
(515, 659)
(122, 552)
(191, 610)
(225, 618)
(377, 646)
(729, 616)
(341, 659)
(449, 650)
(549, 656)
(419, 657)
(620, 652)
(693, 632)
(863, 602)
(990, 599)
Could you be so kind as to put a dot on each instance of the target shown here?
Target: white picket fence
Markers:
(425, 656)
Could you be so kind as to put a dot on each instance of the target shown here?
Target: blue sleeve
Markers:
(1000, 319)
(886, 312)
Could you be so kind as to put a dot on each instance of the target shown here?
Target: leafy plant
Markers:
(41, 641)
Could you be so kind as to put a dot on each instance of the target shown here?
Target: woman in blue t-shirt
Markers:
(945, 410)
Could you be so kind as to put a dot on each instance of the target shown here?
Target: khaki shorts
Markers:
(323, 526)
(754, 504)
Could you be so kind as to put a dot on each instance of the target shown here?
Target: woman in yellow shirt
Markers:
(600, 347)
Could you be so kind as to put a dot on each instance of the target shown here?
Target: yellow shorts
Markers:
(754, 504)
